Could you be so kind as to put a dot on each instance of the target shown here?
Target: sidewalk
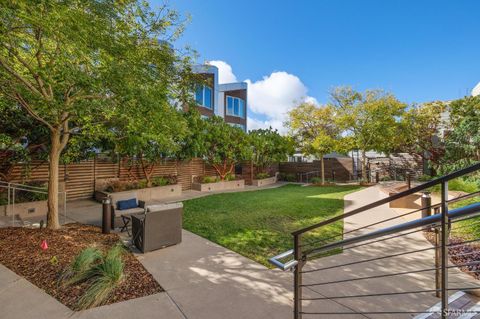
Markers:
(404, 263)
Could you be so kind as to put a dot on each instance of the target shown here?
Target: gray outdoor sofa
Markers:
(159, 227)
(117, 213)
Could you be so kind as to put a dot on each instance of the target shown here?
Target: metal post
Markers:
(377, 177)
(426, 204)
(437, 263)
(409, 180)
(106, 216)
(444, 250)
(297, 278)
(13, 207)
(65, 207)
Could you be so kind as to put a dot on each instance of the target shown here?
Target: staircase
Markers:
(461, 304)
(385, 249)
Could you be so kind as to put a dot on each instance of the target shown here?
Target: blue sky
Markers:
(418, 50)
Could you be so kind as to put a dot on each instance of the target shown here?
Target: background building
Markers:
(228, 100)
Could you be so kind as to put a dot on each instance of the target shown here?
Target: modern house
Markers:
(228, 100)
(476, 90)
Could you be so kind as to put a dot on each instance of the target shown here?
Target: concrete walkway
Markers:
(404, 263)
(204, 280)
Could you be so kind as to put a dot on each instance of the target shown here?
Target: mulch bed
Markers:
(461, 254)
(20, 251)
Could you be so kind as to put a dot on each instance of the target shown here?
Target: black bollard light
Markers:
(106, 216)
(426, 204)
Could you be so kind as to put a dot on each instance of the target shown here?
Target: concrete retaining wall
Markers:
(219, 186)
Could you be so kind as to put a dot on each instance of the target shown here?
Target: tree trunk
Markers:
(54, 160)
(364, 166)
(147, 170)
(322, 168)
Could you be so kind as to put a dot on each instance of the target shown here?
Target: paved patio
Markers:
(204, 280)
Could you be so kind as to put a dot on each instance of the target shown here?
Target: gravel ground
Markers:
(20, 251)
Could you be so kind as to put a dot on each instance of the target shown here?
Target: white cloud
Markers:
(254, 124)
(225, 72)
(271, 97)
(275, 95)
(476, 90)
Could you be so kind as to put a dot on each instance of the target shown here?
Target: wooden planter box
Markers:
(151, 194)
(219, 186)
(28, 209)
(264, 181)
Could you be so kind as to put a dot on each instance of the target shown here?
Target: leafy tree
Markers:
(268, 147)
(152, 141)
(73, 66)
(222, 145)
(20, 138)
(462, 140)
(369, 120)
(192, 143)
(420, 127)
(315, 130)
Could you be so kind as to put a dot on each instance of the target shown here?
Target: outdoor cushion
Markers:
(135, 210)
(159, 207)
(127, 204)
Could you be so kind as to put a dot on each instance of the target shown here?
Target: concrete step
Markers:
(461, 305)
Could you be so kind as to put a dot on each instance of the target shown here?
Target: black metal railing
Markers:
(437, 228)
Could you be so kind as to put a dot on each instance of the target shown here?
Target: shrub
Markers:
(424, 178)
(116, 186)
(287, 177)
(262, 175)
(385, 179)
(230, 177)
(106, 276)
(159, 181)
(315, 180)
(464, 185)
(120, 186)
(103, 273)
(209, 179)
(459, 184)
(141, 184)
(79, 270)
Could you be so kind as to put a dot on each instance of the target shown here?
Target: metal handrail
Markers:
(16, 185)
(306, 174)
(426, 222)
(429, 221)
(389, 199)
(440, 222)
(11, 200)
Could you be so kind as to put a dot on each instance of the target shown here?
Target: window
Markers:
(203, 96)
(235, 106)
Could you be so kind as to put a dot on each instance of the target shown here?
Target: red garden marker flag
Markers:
(44, 245)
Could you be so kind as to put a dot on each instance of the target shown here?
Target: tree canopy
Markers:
(421, 126)
(368, 120)
(268, 147)
(222, 145)
(462, 138)
(74, 66)
(315, 130)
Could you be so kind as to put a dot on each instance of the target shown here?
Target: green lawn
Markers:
(470, 228)
(257, 224)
